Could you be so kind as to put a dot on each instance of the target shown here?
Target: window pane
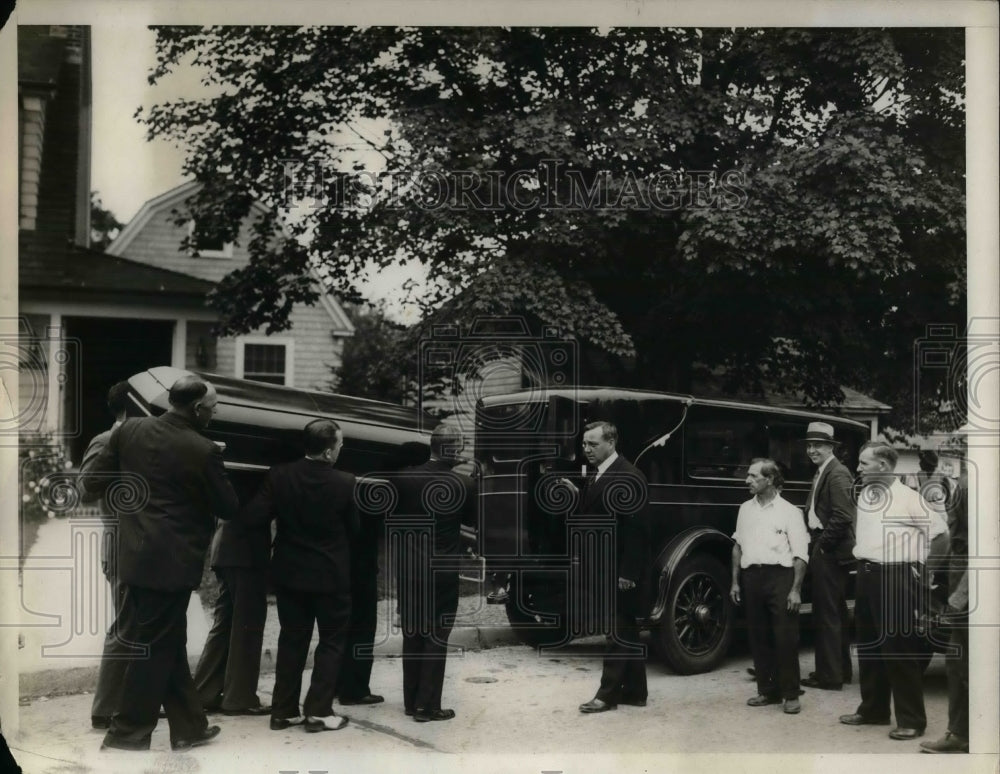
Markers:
(203, 242)
(264, 363)
(720, 443)
(788, 449)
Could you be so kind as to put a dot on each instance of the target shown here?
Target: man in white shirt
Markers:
(771, 550)
(895, 526)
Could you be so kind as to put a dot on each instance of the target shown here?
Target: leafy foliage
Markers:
(830, 235)
(45, 490)
(104, 226)
(374, 363)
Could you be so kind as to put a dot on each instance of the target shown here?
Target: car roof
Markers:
(598, 393)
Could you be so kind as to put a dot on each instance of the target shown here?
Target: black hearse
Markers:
(261, 425)
(694, 453)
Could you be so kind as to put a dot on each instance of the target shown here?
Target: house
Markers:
(299, 357)
(90, 318)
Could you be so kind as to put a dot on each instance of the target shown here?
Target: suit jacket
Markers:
(313, 504)
(833, 500)
(237, 543)
(90, 455)
(162, 545)
(431, 491)
(632, 559)
(958, 531)
(412, 484)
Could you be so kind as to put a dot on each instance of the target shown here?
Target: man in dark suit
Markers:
(313, 505)
(623, 679)
(356, 671)
(830, 514)
(956, 613)
(227, 672)
(428, 552)
(161, 554)
(116, 650)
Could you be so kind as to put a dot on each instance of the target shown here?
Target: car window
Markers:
(720, 443)
(787, 447)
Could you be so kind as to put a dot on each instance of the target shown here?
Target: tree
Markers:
(785, 204)
(374, 363)
(104, 226)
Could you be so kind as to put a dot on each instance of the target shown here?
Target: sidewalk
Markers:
(66, 610)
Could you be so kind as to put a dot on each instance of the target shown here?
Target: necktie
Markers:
(812, 492)
(810, 500)
(588, 482)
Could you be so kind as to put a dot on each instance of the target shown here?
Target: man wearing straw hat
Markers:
(830, 518)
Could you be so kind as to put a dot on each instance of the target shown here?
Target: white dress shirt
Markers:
(814, 522)
(895, 524)
(774, 533)
(605, 465)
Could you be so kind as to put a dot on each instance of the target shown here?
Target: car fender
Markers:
(691, 541)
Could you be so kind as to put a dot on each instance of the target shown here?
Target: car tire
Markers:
(697, 626)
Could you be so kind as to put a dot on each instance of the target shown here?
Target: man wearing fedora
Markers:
(830, 518)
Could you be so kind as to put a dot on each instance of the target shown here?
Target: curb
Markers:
(65, 682)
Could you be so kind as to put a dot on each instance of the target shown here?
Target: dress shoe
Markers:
(905, 734)
(596, 705)
(854, 719)
(280, 724)
(760, 700)
(949, 743)
(792, 707)
(205, 737)
(751, 671)
(633, 702)
(325, 723)
(847, 677)
(425, 716)
(260, 709)
(812, 682)
(100, 722)
(115, 743)
(371, 698)
(408, 712)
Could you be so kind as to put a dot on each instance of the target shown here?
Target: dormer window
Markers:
(209, 247)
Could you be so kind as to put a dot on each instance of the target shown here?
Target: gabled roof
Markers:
(342, 325)
(48, 264)
(165, 201)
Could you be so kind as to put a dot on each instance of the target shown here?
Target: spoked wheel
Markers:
(697, 625)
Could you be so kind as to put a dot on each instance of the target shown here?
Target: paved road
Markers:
(510, 702)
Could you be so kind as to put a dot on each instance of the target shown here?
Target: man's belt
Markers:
(867, 564)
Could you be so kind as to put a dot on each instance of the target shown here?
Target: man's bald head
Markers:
(446, 442)
(194, 398)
